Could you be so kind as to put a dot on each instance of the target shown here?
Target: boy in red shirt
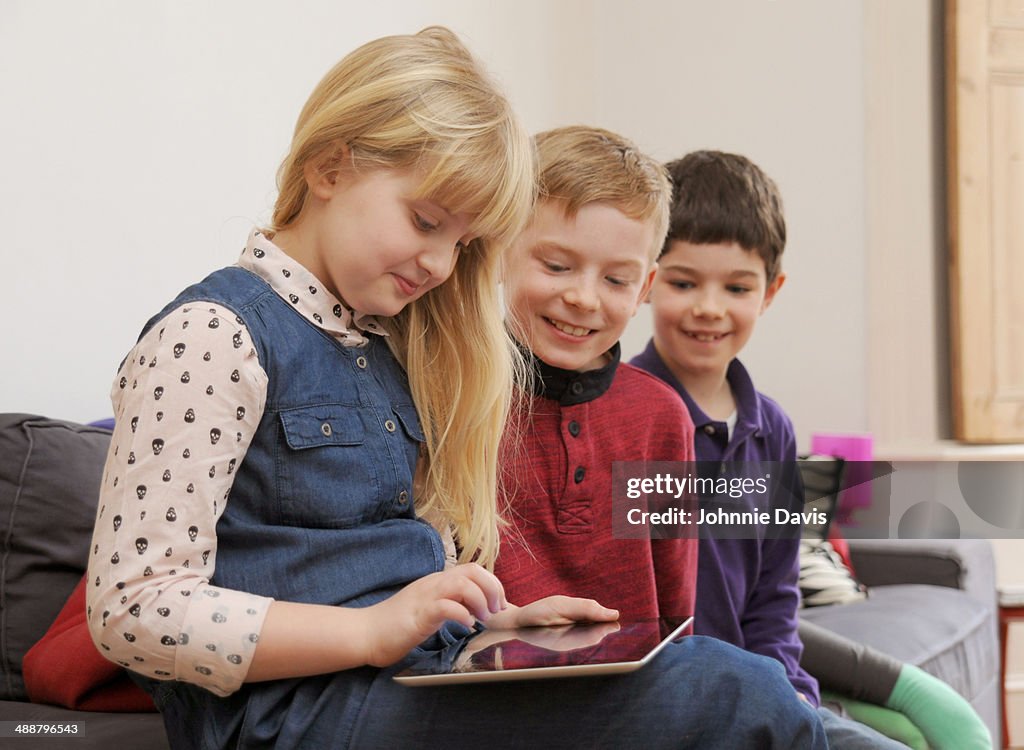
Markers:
(573, 281)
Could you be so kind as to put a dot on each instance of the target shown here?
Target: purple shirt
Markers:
(747, 590)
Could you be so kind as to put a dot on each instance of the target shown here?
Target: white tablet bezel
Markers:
(540, 673)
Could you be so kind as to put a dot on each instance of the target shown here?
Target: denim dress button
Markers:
(361, 361)
(389, 426)
(403, 497)
(325, 428)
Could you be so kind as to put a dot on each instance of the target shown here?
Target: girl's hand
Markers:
(552, 610)
(464, 593)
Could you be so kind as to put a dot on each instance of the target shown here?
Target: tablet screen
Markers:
(545, 652)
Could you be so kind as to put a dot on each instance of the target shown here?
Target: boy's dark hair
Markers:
(722, 198)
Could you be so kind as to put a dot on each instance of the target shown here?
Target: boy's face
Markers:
(573, 284)
(707, 299)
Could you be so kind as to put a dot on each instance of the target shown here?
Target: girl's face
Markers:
(373, 244)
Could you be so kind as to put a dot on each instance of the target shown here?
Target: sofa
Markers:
(932, 603)
(49, 482)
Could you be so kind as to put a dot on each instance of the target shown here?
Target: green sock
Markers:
(946, 720)
(892, 723)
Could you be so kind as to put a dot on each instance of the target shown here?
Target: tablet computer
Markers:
(580, 649)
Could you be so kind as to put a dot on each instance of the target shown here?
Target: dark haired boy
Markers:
(719, 270)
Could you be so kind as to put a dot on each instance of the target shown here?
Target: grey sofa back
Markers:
(49, 484)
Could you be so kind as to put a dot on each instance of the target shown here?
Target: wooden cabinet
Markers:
(985, 126)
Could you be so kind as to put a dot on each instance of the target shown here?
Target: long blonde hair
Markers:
(422, 101)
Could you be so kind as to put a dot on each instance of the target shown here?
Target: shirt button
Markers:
(361, 361)
(574, 428)
(576, 387)
(579, 474)
(709, 429)
(325, 428)
(389, 426)
(403, 497)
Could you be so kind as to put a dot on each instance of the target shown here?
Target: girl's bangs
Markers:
(494, 186)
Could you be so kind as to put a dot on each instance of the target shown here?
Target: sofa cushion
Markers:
(97, 731)
(49, 483)
(941, 630)
(65, 669)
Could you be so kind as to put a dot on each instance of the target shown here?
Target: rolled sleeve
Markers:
(187, 400)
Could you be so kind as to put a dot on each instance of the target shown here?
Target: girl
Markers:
(258, 554)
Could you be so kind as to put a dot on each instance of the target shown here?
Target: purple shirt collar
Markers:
(749, 418)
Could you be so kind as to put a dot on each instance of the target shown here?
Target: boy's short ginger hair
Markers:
(719, 197)
(579, 165)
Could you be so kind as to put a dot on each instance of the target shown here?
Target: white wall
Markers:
(139, 143)
(782, 83)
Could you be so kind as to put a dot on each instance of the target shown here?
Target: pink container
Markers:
(857, 450)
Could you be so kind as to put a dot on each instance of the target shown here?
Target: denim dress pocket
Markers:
(410, 420)
(327, 441)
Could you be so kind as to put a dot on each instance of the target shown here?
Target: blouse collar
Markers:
(300, 288)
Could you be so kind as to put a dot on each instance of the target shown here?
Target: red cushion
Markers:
(841, 546)
(65, 669)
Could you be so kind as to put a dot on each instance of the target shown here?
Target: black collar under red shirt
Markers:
(571, 387)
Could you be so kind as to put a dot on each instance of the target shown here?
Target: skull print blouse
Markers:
(150, 569)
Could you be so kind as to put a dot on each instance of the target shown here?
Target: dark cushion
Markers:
(97, 730)
(49, 484)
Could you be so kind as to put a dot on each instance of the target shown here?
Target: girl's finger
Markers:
(462, 590)
(487, 582)
(448, 609)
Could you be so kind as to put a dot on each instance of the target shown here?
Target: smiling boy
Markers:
(718, 272)
(572, 282)
(720, 269)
